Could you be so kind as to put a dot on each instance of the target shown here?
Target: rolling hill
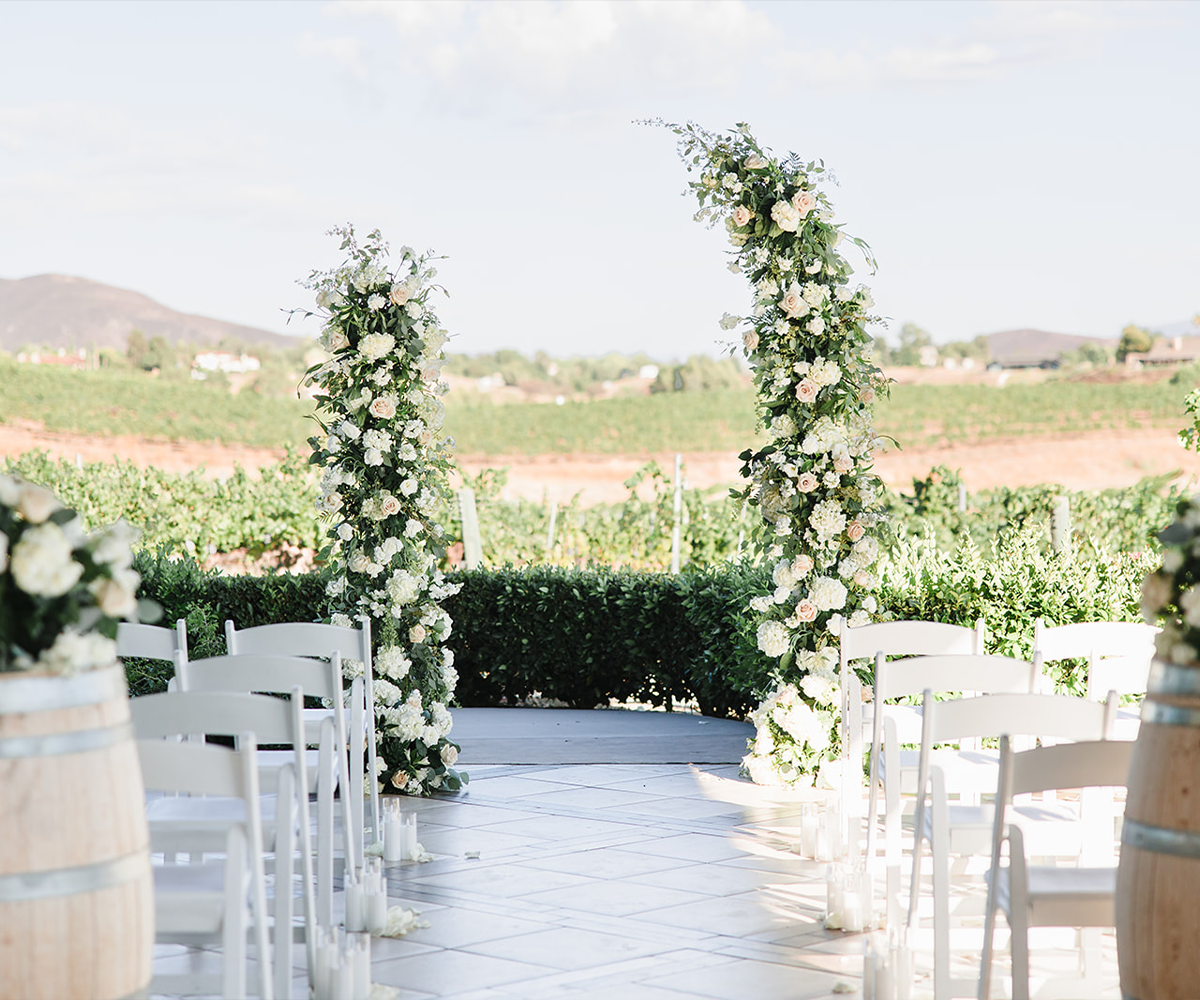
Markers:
(55, 310)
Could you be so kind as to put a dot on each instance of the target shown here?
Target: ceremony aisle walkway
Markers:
(655, 880)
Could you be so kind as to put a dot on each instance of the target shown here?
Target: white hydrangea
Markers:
(827, 593)
(825, 372)
(376, 345)
(773, 638)
(827, 519)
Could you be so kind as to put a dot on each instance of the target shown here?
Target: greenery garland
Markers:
(385, 477)
(807, 343)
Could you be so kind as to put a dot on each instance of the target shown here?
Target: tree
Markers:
(1134, 340)
(912, 339)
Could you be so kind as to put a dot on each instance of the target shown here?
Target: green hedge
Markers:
(584, 636)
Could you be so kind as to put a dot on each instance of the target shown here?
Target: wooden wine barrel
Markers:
(76, 896)
(1158, 879)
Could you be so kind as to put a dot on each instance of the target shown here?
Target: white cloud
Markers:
(1003, 39)
(557, 53)
(348, 52)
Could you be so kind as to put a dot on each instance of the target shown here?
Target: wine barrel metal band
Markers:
(57, 744)
(1161, 839)
(73, 881)
(1170, 715)
(1171, 678)
(46, 694)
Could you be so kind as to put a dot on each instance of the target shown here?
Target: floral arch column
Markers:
(806, 341)
(385, 473)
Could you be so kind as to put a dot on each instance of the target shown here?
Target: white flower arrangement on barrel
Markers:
(385, 473)
(1171, 594)
(807, 342)
(62, 591)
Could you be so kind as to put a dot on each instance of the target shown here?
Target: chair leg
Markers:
(325, 836)
(1020, 955)
(285, 825)
(233, 977)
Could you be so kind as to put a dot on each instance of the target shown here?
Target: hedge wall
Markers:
(584, 636)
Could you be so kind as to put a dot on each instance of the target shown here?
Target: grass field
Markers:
(110, 401)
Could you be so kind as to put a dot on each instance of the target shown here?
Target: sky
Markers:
(1010, 164)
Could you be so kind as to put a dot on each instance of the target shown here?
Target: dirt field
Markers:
(1089, 461)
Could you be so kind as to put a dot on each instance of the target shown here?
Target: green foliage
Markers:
(587, 635)
(187, 513)
(701, 373)
(1009, 585)
(912, 339)
(920, 416)
(122, 401)
(207, 598)
(1135, 340)
(1121, 520)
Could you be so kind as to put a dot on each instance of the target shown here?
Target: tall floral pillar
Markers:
(806, 341)
(385, 472)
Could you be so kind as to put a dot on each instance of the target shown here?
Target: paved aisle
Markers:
(609, 881)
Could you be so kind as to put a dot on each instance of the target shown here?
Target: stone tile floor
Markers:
(628, 882)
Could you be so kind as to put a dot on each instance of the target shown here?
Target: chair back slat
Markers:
(217, 713)
(300, 639)
(909, 638)
(1060, 716)
(268, 674)
(952, 673)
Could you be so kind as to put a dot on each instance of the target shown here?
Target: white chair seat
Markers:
(1066, 897)
(1051, 829)
(961, 768)
(187, 898)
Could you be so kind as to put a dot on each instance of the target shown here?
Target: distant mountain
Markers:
(54, 310)
(1031, 348)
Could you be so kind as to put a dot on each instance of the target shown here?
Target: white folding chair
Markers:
(200, 825)
(1040, 895)
(322, 640)
(154, 642)
(893, 725)
(898, 638)
(253, 673)
(206, 903)
(964, 830)
(1118, 656)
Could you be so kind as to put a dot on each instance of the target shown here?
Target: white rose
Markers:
(793, 302)
(372, 456)
(117, 597)
(855, 530)
(806, 390)
(448, 754)
(345, 531)
(383, 407)
(41, 562)
(806, 482)
(389, 506)
(785, 216)
(36, 503)
(754, 162)
(358, 562)
(741, 216)
(803, 202)
(409, 487)
(806, 611)
(815, 326)
(399, 293)
(750, 341)
(416, 634)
